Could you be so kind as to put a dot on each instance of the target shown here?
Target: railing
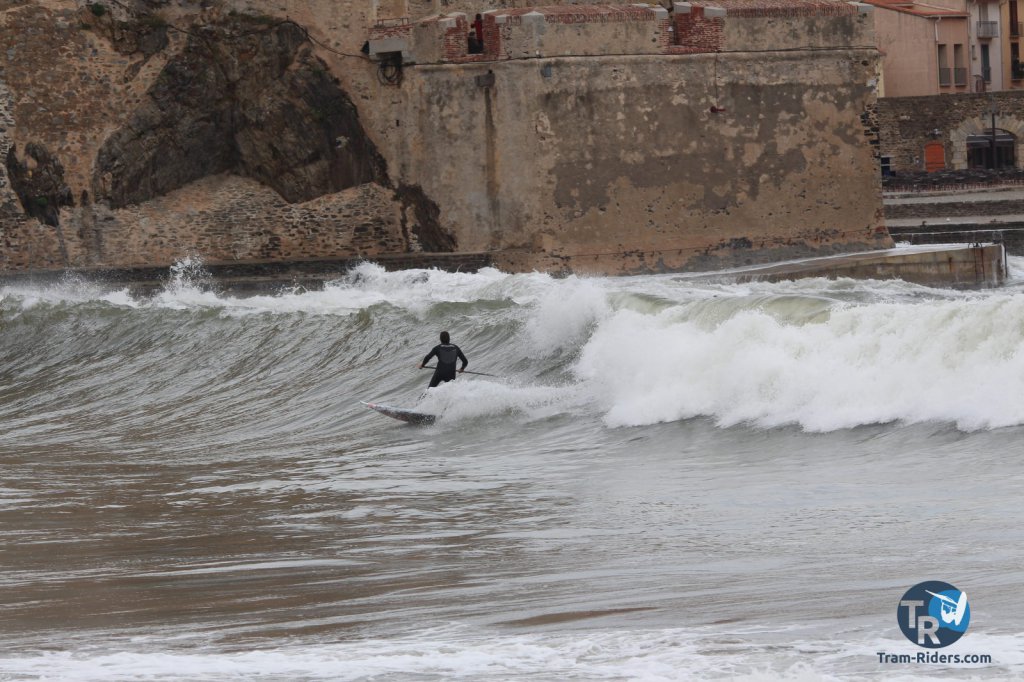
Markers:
(959, 76)
(1016, 29)
(1017, 71)
(986, 73)
(988, 29)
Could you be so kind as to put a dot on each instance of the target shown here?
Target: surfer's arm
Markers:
(431, 354)
(462, 357)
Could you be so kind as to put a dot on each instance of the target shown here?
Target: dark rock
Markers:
(427, 224)
(255, 103)
(38, 180)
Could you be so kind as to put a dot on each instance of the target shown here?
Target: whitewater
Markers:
(672, 477)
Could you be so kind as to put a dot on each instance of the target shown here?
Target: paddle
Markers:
(466, 371)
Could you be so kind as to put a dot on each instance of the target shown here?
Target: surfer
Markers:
(447, 353)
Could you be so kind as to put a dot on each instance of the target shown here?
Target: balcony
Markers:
(1017, 71)
(988, 29)
(986, 73)
(960, 77)
(1016, 29)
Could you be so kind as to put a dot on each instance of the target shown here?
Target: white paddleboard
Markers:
(402, 414)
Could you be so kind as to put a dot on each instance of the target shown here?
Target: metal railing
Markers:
(1016, 29)
(986, 73)
(1017, 71)
(988, 29)
(959, 76)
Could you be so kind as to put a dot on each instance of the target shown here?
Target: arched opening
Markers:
(994, 148)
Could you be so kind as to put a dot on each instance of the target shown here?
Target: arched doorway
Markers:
(992, 149)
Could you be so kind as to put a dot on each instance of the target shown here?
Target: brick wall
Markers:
(384, 30)
(697, 33)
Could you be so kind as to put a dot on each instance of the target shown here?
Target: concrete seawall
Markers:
(254, 276)
(949, 265)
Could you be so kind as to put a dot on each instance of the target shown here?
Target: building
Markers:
(926, 49)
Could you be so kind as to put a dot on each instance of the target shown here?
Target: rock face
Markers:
(38, 180)
(247, 98)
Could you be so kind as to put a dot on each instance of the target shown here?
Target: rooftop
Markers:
(918, 9)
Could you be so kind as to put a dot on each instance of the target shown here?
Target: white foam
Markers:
(454, 653)
(947, 360)
(464, 400)
(565, 313)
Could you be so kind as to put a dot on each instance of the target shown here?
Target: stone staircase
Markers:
(992, 214)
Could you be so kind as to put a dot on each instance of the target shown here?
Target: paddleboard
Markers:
(402, 414)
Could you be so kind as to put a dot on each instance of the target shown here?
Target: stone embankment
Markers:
(255, 276)
(944, 216)
(945, 265)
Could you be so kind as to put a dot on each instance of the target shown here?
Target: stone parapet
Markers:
(690, 28)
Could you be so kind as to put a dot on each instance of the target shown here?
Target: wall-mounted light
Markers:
(936, 133)
(485, 80)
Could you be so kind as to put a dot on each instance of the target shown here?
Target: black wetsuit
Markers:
(447, 354)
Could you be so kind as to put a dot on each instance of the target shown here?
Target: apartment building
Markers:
(1013, 71)
(926, 48)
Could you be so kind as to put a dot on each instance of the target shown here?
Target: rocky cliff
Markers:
(239, 97)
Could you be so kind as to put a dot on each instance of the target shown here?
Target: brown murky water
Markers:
(667, 480)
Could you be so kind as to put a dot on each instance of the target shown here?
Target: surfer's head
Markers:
(445, 338)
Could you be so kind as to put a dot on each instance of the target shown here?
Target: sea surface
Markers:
(666, 478)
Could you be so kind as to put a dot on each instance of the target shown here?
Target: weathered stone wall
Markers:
(907, 124)
(221, 218)
(612, 164)
(696, 161)
(771, 25)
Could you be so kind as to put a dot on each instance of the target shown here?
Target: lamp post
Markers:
(992, 110)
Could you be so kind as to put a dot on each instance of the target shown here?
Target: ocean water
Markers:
(667, 478)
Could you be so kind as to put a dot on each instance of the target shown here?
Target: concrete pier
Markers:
(946, 265)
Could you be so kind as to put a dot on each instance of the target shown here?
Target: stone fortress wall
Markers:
(632, 139)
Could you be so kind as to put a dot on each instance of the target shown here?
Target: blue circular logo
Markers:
(933, 614)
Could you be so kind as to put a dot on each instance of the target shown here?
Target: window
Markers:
(945, 74)
(887, 166)
(992, 149)
(959, 66)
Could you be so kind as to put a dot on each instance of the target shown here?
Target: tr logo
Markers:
(933, 614)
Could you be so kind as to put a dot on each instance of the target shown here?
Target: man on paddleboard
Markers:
(447, 353)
